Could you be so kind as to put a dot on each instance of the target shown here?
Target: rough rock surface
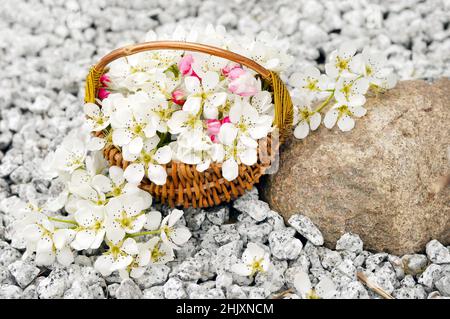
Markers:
(379, 180)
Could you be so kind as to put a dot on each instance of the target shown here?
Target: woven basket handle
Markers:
(282, 100)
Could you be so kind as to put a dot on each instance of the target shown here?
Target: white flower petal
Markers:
(241, 269)
(134, 173)
(104, 264)
(330, 118)
(174, 217)
(326, 288)
(192, 84)
(130, 246)
(84, 239)
(230, 169)
(227, 133)
(135, 146)
(102, 183)
(302, 283)
(121, 136)
(314, 121)
(192, 105)
(180, 235)
(91, 110)
(114, 232)
(157, 174)
(302, 130)
(346, 123)
(65, 256)
(210, 81)
(249, 156)
(153, 220)
(163, 155)
(116, 175)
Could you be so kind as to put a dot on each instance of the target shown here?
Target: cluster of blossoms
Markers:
(97, 210)
(198, 109)
(340, 91)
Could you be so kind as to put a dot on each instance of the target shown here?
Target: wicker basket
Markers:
(186, 186)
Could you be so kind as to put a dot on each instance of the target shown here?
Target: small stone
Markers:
(195, 219)
(306, 228)
(374, 260)
(284, 246)
(30, 292)
(354, 290)
(329, 258)
(5, 276)
(257, 209)
(82, 260)
(258, 233)
(347, 268)
(79, 290)
(397, 264)
(5, 139)
(218, 215)
(414, 264)
(256, 292)
(437, 252)
(154, 275)
(443, 285)
(20, 175)
(155, 292)
(213, 293)
(236, 292)
(189, 270)
(41, 104)
(275, 220)
(361, 258)
(128, 290)
(408, 281)
(350, 242)
(432, 273)
(416, 292)
(24, 272)
(385, 277)
(8, 255)
(226, 256)
(227, 233)
(53, 286)
(173, 289)
(271, 280)
(10, 292)
(224, 281)
(112, 289)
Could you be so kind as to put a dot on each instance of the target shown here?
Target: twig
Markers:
(362, 277)
(283, 293)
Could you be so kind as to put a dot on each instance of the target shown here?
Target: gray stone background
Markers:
(47, 47)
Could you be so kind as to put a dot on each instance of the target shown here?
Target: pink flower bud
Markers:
(102, 93)
(185, 64)
(178, 97)
(236, 73)
(213, 126)
(214, 139)
(244, 85)
(104, 79)
(229, 67)
(226, 119)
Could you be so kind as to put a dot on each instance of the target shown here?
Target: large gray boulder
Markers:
(384, 180)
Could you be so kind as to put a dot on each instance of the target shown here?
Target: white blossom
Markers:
(325, 289)
(254, 259)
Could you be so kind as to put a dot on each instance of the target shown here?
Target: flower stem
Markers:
(325, 103)
(143, 233)
(63, 221)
